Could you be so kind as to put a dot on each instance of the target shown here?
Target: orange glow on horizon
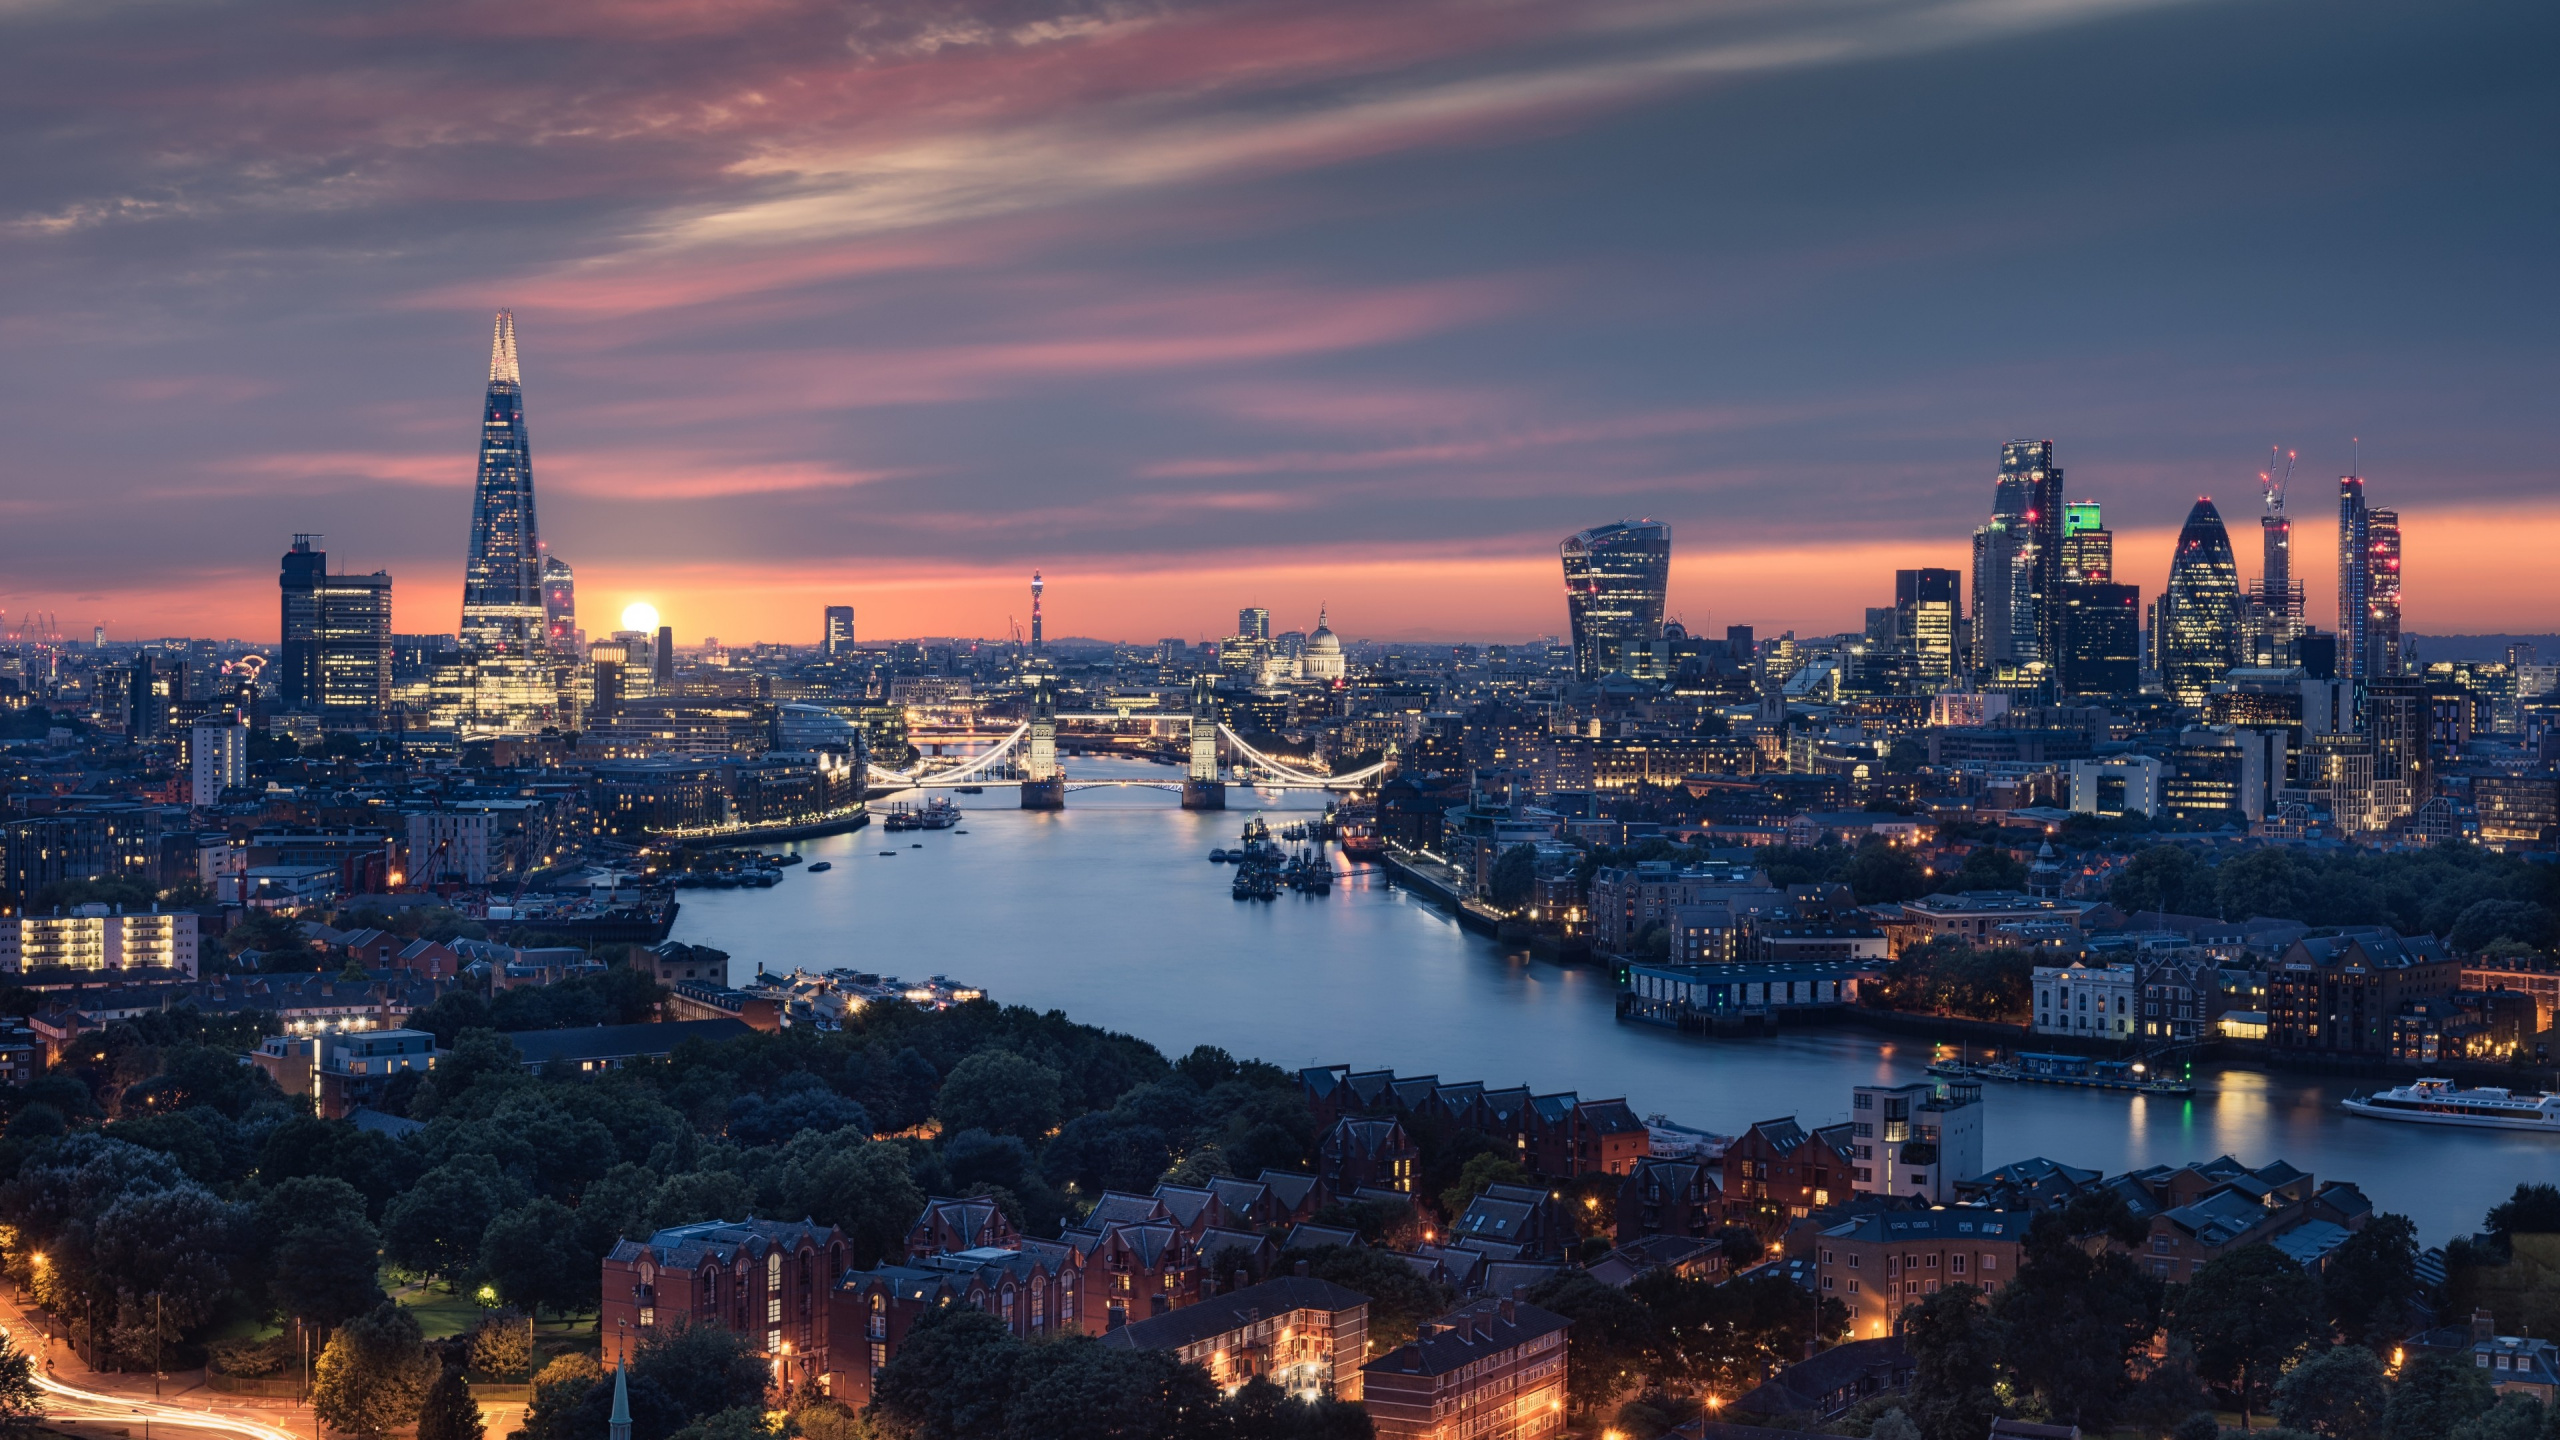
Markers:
(2500, 582)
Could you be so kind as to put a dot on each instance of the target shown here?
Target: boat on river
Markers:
(2075, 1071)
(2435, 1101)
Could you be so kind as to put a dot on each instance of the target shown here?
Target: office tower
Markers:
(2355, 576)
(2199, 615)
(297, 669)
(1739, 644)
(559, 606)
(1253, 622)
(1925, 606)
(156, 687)
(2382, 590)
(355, 651)
(2101, 638)
(502, 611)
(607, 659)
(664, 672)
(2017, 562)
(1039, 641)
(2316, 651)
(2088, 546)
(837, 636)
(1615, 578)
(334, 652)
(218, 756)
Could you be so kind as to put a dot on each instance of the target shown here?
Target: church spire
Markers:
(502, 351)
(618, 1424)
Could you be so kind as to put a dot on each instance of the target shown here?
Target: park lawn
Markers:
(441, 1313)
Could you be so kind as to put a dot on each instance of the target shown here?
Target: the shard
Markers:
(502, 611)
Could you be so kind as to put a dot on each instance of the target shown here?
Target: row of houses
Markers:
(1557, 1136)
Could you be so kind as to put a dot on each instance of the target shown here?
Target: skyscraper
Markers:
(837, 635)
(559, 606)
(2199, 615)
(2017, 562)
(1615, 579)
(665, 657)
(2382, 590)
(2355, 619)
(1039, 642)
(334, 652)
(502, 611)
(2088, 546)
(2101, 638)
(1925, 606)
(1253, 622)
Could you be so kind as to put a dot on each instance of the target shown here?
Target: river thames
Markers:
(1110, 911)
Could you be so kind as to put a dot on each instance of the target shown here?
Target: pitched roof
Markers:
(1961, 1224)
(1468, 1334)
(621, 1042)
(1235, 1310)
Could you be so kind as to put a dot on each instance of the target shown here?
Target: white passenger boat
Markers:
(2441, 1102)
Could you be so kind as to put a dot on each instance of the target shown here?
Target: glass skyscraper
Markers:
(502, 609)
(1615, 577)
(2355, 628)
(2017, 562)
(1925, 606)
(2382, 590)
(2199, 616)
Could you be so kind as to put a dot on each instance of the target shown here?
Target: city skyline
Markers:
(1367, 321)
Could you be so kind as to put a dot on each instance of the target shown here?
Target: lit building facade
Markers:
(93, 937)
(1615, 579)
(1925, 606)
(836, 635)
(334, 659)
(2198, 623)
(2088, 546)
(2382, 591)
(217, 759)
(559, 606)
(2101, 638)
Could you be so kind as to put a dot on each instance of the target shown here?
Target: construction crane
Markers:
(2271, 485)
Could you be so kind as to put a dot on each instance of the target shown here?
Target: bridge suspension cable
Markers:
(1348, 780)
(959, 772)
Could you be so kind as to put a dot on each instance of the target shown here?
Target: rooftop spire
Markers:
(502, 351)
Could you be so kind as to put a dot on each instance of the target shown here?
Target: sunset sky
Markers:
(1363, 303)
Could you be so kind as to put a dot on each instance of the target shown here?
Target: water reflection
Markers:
(1109, 911)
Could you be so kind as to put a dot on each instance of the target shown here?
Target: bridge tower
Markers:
(1044, 785)
(1203, 790)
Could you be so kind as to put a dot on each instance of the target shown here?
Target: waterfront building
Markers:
(2199, 615)
(2093, 1002)
(1491, 1370)
(1777, 1170)
(1615, 579)
(2337, 994)
(334, 655)
(1880, 1264)
(835, 635)
(1917, 1139)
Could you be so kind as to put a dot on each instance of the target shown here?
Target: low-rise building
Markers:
(2093, 1002)
(2337, 994)
(1877, 1265)
(1779, 1170)
(1305, 1335)
(769, 1281)
(1491, 1370)
(1669, 1196)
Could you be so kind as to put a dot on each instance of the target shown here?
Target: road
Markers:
(104, 1404)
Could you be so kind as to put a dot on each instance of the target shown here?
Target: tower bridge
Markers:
(1027, 756)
